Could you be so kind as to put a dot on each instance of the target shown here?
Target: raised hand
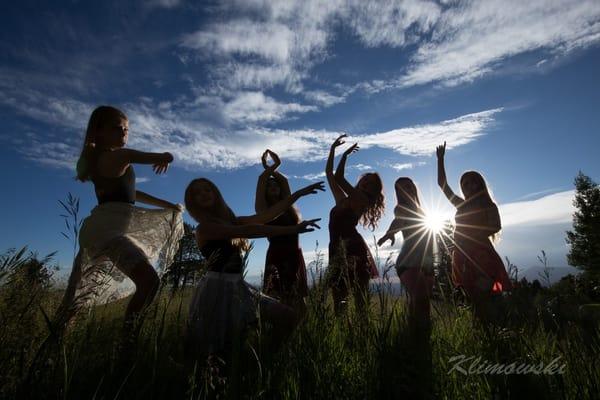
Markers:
(386, 237)
(352, 149)
(310, 189)
(274, 157)
(308, 226)
(338, 142)
(440, 151)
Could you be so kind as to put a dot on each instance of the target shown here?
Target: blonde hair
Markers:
(86, 164)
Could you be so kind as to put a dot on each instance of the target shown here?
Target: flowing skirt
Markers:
(113, 240)
(285, 272)
(223, 307)
(478, 269)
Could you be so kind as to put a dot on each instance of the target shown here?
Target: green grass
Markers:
(354, 356)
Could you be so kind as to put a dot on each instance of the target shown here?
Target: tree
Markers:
(186, 262)
(585, 236)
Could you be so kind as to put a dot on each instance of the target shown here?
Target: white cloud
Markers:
(252, 107)
(403, 166)
(552, 209)
(472, 38)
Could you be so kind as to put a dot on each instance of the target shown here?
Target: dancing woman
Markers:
(476, 267)
(414, 264)
(223, 305)
(118, 239)
(285, 269)
(351, 264)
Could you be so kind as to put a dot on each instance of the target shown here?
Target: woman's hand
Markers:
(386, 237)
(352, 149)
(274, 157)
(308, 226)
(338, 142)
(440, 151)
(162, 167)
(310, 189)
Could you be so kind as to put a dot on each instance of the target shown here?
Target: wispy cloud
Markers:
(404, 166)
(552, 209)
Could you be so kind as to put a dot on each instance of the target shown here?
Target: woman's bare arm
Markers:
(278, 208)
(336, 190)
(442, 181)
(215, 231)
(145, 198)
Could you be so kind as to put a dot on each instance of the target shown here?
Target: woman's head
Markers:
(371, 184)
(273, 193)
(473, 184)
(406, 193)
(204, 200)
(108, 127)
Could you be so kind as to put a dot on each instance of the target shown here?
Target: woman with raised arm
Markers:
(414, 264)
(223, 304)
(476, 267)
(285, 270)
(118, 239)
(351, 264)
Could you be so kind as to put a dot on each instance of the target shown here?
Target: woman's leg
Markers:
(146, 283)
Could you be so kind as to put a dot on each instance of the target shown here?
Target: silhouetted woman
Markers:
(351, 264)
(414, 264)
(285, 270)
(223, 304)
(118, 239)
(476, 267)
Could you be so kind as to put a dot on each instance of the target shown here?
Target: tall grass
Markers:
(355, 355)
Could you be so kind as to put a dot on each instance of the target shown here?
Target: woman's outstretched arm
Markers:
(442, 181)
(278, 208)
(145, 198)
(215, 231)
(336, 190)
(395, 226)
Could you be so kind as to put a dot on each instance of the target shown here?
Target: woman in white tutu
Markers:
(224, 305)
(118, 239)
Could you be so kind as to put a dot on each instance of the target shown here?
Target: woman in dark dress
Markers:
(223, 304)
(351, 264)
(285, 269)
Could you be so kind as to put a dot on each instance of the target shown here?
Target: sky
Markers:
(511, 86)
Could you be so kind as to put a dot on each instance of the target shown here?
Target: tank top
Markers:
(120, 188)
(222, 256)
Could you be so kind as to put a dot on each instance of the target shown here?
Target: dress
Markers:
(285, 269)
(476, 266)
(414, 264)
(116, 237)
(223, 305)
(344, 239)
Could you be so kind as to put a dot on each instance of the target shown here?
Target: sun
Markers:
(434, 221)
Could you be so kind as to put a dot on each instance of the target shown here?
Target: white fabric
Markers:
(123, 232)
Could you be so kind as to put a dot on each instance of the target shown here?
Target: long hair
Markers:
(102, 115)
(292, 211)
(374, 211)
(407, 197)
(219, 212)
(481, 199)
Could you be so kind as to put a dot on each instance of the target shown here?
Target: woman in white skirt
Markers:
(224, 305)
(118, 239)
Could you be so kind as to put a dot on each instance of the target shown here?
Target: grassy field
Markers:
(354, 356)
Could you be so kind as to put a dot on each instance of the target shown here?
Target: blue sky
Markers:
(511, 86)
